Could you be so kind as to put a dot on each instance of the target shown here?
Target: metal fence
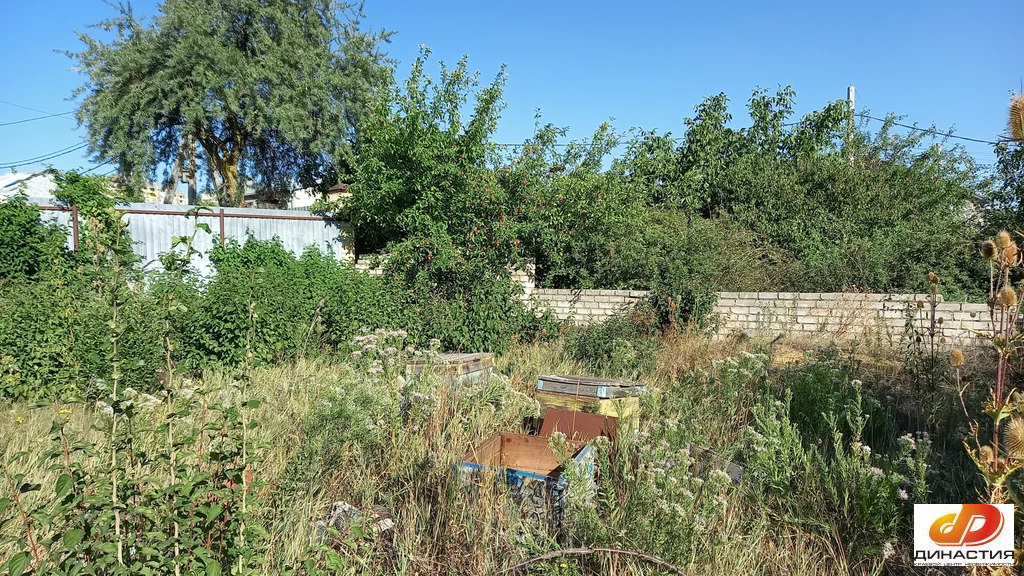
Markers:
(153, 226)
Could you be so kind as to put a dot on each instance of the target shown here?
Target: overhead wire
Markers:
(44, 157)
(32, 119)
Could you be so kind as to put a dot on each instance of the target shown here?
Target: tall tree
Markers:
(270, 90)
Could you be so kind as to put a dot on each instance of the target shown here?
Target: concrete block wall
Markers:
(585, 306)
(843, 316)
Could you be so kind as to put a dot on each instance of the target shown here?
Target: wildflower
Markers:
(64, 411)
(1009, 255)
(1017, 117)
(104, 408)
(902, 494)
(19, 420)
(877, 472)
(888, 550)
(907, 442)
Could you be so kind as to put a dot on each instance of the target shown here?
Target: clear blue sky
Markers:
(642, 63)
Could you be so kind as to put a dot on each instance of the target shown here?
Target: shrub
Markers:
(29, 246)
(835, 483)
(621, 346)
(827, 385)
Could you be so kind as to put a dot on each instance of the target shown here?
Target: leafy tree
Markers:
(270, 90)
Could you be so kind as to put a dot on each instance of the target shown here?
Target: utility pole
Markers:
(851, 99)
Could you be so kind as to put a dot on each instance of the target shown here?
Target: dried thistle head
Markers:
(1009, 254)
(987, 454)
(1003, 239)
(989, 250)
(1013, 435)
(1007, 297)
(933, 277)
(1017, 117)
(920, 304)
(956, 357)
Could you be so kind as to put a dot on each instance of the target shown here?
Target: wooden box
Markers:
(460, 367)
(616, 407)
(577, 426)
(520, 457)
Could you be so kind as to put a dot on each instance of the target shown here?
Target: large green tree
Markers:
(270, 92)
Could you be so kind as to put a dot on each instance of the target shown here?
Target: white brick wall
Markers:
(832, 316)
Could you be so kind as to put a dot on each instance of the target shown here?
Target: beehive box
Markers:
(527, 464)
(617, 407)
(460, 367)
(577, 426)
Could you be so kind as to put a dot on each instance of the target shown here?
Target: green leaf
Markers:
(212, 568)
(63, 485)
(73, 537)
(4, 503)
(17, 564)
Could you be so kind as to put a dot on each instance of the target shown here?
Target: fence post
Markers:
(221, 226)
(74, 226)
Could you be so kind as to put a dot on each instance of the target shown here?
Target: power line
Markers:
(33, 119)
(44, 157)
(98, 166)
(929, 130)
(64, 114)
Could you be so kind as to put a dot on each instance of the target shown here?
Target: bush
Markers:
(834, 483)
(827, 385)
(621, 346)
(299, 305)
(29, 246)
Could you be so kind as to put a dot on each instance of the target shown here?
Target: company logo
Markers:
(963, 534)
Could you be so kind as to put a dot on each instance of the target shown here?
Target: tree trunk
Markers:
(230, 195)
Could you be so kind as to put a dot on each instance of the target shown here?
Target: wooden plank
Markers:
(517, 453)
(588, 386)
(576, 379)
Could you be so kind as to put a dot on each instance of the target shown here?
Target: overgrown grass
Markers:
(352, 432)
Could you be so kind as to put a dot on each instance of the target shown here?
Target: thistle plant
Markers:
(1000, 454)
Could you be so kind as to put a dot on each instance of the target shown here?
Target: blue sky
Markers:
(644, 64)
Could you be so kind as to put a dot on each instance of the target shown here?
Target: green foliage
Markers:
(30, 247)
(299, 305)
(622, 346)
(828, 480)
(569, 211)
(199, 516)
(255, 70)
(827, 385)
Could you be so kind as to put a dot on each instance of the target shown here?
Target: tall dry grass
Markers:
(335, 433)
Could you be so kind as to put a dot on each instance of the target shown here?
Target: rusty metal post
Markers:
(74, 226)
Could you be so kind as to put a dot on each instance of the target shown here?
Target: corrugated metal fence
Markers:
(153, 227)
